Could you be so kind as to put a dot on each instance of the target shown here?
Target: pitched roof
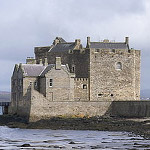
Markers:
(61, 39)
(108, 45)
(32, 70)
(62, 47)
(49, 67)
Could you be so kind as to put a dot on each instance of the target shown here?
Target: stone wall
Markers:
(81, 89)
(62, 85)
(137, 73)
(78, 61)
(41, 53)
(113, 74)
(131, 109)
(42, 108)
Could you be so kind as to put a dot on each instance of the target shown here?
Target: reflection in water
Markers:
(69, 139)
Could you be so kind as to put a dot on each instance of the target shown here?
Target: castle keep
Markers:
(69, 79)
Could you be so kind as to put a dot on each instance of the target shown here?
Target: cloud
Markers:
(26, 24)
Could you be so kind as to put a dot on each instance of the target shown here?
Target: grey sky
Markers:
(25, 24)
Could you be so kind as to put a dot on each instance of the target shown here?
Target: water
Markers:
(1, 110)
(13, 139)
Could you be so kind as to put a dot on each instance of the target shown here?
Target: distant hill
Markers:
(145, 93)
(4, 96)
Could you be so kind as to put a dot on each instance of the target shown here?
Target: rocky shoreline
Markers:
(138, 126)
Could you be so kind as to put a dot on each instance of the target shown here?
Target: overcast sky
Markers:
(25, 24)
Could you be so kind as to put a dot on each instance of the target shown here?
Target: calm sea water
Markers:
(13, 139)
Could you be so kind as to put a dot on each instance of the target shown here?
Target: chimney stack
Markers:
(45, 62)
(56, 41)
(88, 42)
(40, 62)
(127, 40)
(77, 42)
(30, 60)
(58, 63)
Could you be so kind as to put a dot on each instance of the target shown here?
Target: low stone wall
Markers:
(37, 107)
(130, 109)
(70, 109)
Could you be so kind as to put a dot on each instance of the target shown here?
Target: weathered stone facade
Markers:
(66, 72)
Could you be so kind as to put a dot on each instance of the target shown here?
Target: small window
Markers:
(35, 84)
(51, 82)
(97, 50)
(70, 51)
(84, 86)
(112, 95)
(118, 66)
(99, 95)
(73, 69)
(30, 83)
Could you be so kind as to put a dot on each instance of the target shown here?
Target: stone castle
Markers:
(67, 79)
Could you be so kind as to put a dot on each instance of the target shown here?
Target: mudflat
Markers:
(138, 126)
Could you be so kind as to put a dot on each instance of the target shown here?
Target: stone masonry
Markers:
(66, 73)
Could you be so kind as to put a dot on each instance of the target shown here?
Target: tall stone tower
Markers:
(114, 71)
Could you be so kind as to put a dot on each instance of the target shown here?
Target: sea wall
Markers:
(42, 108)
(130, 109)
(37, 107)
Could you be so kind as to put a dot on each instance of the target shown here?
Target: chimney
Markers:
(30, 60)
(88, 42)
(58, 63)
(56, 41)
(127, 40)
(40, 62)
(45, 62)
(77, 42)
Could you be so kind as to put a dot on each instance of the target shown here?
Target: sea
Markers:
(45, 139)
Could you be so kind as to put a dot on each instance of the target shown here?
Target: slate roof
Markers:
(32, 70)
(108, 45)
(62, 47)
(49, 67)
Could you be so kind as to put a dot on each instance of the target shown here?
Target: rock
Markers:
(72, 142)
(25, 145)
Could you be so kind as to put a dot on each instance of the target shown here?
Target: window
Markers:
(97, 50)
(70, 51)
(99, 95)
(73, 68)
(84, 86)
(50, 82)
(118, 66)
(35, 84)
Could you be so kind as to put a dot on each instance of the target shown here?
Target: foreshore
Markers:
(138, 126)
